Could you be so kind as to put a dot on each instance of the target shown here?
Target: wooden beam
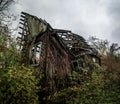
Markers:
(23, 16)
(61, 30)
(70, 41)
(21, 23)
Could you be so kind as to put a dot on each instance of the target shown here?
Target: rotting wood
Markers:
(61, 50)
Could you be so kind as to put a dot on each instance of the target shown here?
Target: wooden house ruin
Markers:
(54, 51)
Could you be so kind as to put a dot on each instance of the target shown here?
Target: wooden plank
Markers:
(23, 13)
(70, 41)
(81, 54)
(19, 38)
(22, 20)
(24, 29)
(21, 33)
(61, 30)
(21, 23)
(23, 16)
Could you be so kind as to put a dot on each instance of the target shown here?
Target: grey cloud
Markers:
(84, 17)
(114, 8)
(114, 12)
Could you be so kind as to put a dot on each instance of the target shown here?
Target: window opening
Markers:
(35, 52)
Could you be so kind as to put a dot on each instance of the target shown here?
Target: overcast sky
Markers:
(100, 18)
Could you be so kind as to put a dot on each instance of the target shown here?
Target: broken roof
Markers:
(70, 41)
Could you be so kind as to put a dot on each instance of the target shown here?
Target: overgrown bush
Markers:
(100, 88)
(18, 85)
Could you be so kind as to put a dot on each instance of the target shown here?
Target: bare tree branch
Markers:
(4, 9)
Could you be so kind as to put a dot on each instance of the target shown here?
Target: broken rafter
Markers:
(74, 45)
(61, 31)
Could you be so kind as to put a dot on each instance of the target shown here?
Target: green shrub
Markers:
(98, 89)
(18, 85)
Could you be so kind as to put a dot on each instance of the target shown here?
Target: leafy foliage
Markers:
(18, 84)
(101, 88)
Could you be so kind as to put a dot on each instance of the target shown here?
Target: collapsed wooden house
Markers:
(54, 51)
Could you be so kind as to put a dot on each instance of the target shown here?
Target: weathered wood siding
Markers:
(54, 60)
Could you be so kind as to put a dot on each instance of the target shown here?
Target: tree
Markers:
(110, 54)
(114, 48)
(6, 17)
(4, 6)
(100, 45)
(112, 59)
